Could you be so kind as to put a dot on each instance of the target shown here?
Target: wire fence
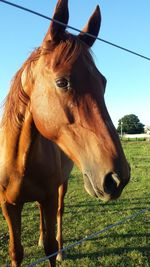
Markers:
(124, 220)
(73, 28)
(89, 237)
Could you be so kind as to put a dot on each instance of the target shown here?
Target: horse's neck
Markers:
(17, 143)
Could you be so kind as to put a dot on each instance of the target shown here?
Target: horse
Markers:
(55, 114)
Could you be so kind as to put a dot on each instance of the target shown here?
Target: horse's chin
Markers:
(88, 187)
(97, 193)
(90, 191)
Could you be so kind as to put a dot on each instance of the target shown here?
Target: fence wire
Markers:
(123, 221)
(75, 29)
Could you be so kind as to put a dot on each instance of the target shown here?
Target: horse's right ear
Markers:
(92, 27)
(56, 30)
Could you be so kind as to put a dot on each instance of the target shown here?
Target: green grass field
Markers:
(125, 245)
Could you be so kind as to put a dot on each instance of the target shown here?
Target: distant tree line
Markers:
(130, 124)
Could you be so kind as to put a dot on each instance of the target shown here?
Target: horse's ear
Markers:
(56, 30)
(92, 27)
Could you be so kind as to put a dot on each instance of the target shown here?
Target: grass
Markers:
(124, 245)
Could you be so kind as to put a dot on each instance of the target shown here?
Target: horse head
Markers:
(66, 93)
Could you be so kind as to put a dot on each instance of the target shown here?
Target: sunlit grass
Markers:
(124, 245)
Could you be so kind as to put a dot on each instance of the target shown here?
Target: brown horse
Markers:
(56, 103)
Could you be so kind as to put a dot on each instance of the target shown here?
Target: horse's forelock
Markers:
(66, 52)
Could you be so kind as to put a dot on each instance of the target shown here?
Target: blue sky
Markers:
(125, 23)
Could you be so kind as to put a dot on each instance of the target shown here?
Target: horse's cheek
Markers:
(45, 117)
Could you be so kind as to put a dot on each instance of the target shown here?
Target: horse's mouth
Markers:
(90, 188)
(94, 191)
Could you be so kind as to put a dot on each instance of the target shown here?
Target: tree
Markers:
(130, 124)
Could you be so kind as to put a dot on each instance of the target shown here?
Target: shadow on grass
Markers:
(145, 250)
(104, 208)
(113, 236)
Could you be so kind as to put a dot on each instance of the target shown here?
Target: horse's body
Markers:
(57, 97)
(47, 164)
(48, 169)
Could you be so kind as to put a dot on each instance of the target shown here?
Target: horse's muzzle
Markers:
(110, 188)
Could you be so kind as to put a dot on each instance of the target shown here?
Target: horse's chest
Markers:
(40, 182)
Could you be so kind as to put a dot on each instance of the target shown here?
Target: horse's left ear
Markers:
(92, 27)
(56, 30)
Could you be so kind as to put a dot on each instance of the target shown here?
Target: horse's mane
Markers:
(64, 54)
(17, 99)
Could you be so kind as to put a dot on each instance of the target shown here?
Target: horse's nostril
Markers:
(111, 183)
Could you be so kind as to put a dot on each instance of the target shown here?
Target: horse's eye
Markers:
(62, 83)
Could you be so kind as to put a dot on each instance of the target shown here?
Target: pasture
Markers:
(124, 245)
